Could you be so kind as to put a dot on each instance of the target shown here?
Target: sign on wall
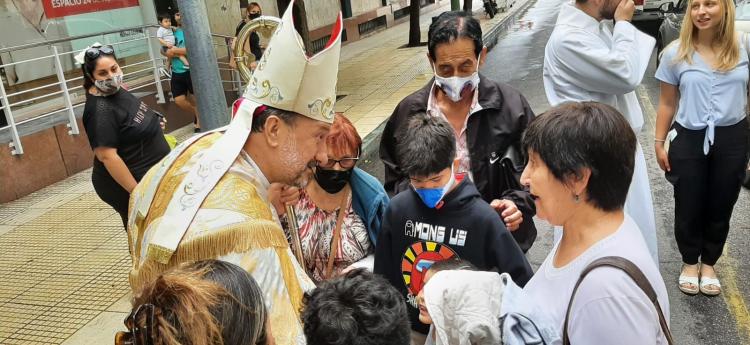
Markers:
(62, 8)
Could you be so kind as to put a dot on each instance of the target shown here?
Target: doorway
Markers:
(166, 6)
(300, 19)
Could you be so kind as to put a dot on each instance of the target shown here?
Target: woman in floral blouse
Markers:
(336, 187)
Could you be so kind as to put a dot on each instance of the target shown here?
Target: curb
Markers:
(371, 142)
(491, 37)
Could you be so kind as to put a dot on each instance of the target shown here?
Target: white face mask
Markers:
(454, 86)
(109, 86)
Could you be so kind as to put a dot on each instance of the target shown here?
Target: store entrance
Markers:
(166, 6)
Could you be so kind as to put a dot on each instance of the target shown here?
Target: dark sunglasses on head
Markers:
(94, 52)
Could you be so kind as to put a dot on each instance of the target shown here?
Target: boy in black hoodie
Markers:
(441, 217)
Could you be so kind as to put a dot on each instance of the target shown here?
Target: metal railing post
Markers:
(15, 146)
(229, 59)
(157, 77)
(72, 123)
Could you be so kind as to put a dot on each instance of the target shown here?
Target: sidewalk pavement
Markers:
(64, 259)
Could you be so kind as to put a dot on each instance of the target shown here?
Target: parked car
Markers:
(672, 16)
(669, 30)
(654, 5)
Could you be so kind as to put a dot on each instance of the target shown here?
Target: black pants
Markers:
(706, 188)
(112, 193)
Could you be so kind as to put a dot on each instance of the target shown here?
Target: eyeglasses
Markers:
(137, 335)
(95, 51)
(346, 163)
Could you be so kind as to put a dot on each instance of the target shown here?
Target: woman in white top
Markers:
(581, 162)
(704, 77)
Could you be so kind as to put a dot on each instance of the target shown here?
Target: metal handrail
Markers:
(29, 90)
(65, 90)
(79, 37)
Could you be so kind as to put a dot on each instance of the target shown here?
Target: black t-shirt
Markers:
(126, 123)
(254, 41)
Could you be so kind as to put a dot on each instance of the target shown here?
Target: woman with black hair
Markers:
(125, 134)
(581, 164)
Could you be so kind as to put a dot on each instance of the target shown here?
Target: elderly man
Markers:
(585, 61)
(487, 117)
(207, 199)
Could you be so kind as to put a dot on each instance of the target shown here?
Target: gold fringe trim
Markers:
(290, 279)
(234, 238)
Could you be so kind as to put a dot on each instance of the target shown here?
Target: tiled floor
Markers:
(63, 252)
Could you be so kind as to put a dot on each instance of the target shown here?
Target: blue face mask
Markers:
(432, 196)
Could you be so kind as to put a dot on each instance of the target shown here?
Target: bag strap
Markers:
(638, 277)
(335, 239)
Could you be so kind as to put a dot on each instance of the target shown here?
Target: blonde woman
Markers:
(704, 79)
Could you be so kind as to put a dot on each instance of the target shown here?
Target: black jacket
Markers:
(489, 132)
(414, 236)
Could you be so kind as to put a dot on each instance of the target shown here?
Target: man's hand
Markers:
(281, 195)
(624, 11)
(508, 212)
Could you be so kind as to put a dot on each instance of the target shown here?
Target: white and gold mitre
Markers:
(286, 78)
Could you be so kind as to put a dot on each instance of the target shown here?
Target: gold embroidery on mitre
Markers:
(321, 107)
(265, 90)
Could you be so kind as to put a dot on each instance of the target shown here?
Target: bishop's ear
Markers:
(273, 131)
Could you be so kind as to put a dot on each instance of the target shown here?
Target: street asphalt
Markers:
(517, 59)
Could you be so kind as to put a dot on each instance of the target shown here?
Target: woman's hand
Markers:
(281, 195)
(163, 123)
(661, 157)
(116, 167)
(509, 212)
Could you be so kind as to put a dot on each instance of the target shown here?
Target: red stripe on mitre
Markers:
(336, 32)
(236, 106)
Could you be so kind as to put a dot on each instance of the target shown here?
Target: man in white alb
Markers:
(585, 60)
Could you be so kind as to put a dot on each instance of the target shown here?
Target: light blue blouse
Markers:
(708, 98)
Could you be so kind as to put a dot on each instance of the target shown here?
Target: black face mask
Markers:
(253, 15)
(332, 181)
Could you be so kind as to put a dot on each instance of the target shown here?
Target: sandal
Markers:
(710, 286)
(689, 285)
